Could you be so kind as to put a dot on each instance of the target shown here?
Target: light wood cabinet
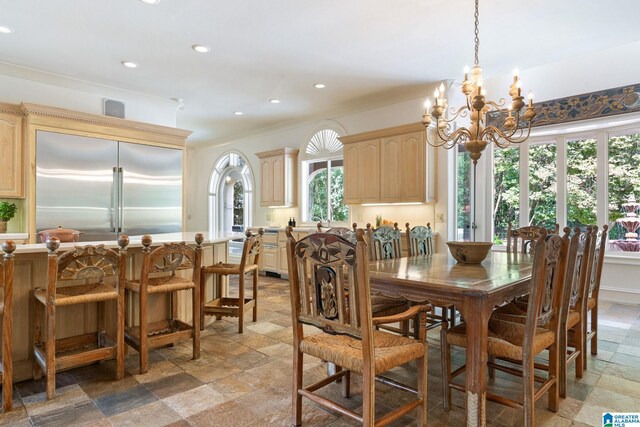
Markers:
(278, 177)
(282, 248)
(362, 172)
(11, 163)
(388, 166)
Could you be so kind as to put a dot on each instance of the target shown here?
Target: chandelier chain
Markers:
(477, 38)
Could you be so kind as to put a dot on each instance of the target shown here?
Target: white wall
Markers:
(77, 95)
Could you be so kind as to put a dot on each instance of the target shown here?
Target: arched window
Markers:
(230, 194)
(323, 179)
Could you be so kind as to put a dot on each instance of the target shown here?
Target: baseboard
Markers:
(621, 295)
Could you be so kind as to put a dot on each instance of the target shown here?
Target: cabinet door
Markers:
(278, 181)
(283, 267)
(11, 156)
(370, 170)
(352, 182)
(271, 259)
(266, 170)
(412, 168)
(390, 169)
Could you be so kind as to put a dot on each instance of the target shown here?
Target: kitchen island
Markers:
(31, 272)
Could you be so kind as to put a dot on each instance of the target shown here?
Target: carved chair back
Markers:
(579, 267)
(169, 258)
(385, 243)
(547, 281)
(420, 240)
(85, 265)
(344, 232)
(251, 249)
(599, 241)
(323, 269)
(521, 239)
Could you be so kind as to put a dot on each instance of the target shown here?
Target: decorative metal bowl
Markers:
(469, 252)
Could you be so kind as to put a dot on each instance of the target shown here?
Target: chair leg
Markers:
(255, 295)
(594, 330)
(562, 364)
(203, 293)
(422, 390)
(7, 378)
(557, 357)
(346, 384)
(120, 335)
(51, 352)
(241, 303)
(218, 278)
(296, 418)
(196, 298)
(580, 347)
(37, 334)
(144, 335)
(368, 399)
(445, 350)
(528, 386)
(491, 370)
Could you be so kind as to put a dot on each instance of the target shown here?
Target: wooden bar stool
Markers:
(83, 275)
(158, 276)
(6, 282)
(225, 306)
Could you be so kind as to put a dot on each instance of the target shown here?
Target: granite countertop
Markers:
(136, 241)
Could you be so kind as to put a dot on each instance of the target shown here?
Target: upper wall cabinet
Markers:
(278, 177)
(388, 166)
(11, 163)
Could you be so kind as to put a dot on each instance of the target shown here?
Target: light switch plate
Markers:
(440, 217)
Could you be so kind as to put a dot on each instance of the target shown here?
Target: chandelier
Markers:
(515, 128)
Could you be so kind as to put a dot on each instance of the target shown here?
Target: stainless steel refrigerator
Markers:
(104, 188)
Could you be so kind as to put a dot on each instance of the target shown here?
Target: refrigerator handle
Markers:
(114, 200)
(121, 199)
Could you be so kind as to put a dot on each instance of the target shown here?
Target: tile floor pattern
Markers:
(245, 380)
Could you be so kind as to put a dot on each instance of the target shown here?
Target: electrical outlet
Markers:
(189, 216)
(268, 217)
(440, 217)
(360, 217)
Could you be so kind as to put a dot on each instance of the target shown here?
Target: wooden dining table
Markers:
(475, 289)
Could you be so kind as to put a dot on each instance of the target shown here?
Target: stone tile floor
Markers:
(245, 380)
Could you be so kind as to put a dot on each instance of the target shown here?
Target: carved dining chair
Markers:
(83, 275)
(574, 305)
(160, 274)
(599, 242)
(348, 338)
(347, 233)
(223, 305)
(385, 243)
(6, 310)
(519, 239)
(420, 243)
(518, 343)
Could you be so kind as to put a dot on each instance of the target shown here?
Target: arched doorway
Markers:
(230, 194)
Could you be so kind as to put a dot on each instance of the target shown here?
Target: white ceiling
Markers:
(362, 50)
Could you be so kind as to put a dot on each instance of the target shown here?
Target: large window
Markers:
(324, 179)
(624, 183)
(586, 178)
(464, 214)
(506, 194)
(581, 182)
(542, 185)
(230, 194)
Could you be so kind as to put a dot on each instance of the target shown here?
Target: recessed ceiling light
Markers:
(274, 101)
(5, 29)
(129, 64)
(319, 85)
(201, 48)
(150, 1)
(238, 113)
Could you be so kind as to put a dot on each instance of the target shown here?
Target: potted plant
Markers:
(7, 211)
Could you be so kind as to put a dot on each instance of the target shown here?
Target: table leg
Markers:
(476, 351)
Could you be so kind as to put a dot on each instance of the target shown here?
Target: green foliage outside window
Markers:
(238, 204)
(464, 193)
(542, 185)
(581, 183)
(506, 198)
(624, 177)
(317, 206)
